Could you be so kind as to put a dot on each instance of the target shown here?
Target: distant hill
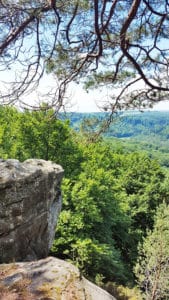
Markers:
(136, 124)
(132, 131)
(127, 124)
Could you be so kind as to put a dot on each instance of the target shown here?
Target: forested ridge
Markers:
(127, 124)
(146, 131)
(115, 202)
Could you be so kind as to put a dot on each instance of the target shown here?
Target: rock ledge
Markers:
(47, 279)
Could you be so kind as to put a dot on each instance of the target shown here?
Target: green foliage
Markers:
(109, 195)
(101, 78)
(146, 132)
(123, 293)
(85, 226)
(152, 268)
(91, 256)
(42, 135)
(9, 131)
(38, 134)
(112, 201)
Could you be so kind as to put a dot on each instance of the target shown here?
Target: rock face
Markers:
(30, 202)
(47, 279)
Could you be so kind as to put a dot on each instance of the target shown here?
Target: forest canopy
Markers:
(110, 196)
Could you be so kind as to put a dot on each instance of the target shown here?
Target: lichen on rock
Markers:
(48, 278)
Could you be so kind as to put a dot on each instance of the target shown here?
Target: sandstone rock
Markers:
(47, 279)
(30, 202)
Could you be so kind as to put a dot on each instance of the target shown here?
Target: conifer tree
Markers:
(152, 269)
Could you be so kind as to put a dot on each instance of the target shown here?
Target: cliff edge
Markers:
(30, 203)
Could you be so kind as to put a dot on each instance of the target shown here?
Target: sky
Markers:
(78, 99)
(164, 105)
(90, 102)
(81, 101)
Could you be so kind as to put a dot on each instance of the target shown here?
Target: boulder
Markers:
(30, 202)
(47, 279)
